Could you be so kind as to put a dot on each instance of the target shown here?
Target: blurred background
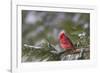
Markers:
(39, 26)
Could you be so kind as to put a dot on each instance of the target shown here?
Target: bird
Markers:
(65, 41)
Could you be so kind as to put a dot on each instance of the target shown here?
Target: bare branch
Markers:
(36, 47)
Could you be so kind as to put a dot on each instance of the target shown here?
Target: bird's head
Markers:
(61, 34)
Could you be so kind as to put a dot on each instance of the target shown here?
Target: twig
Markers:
(36, 47)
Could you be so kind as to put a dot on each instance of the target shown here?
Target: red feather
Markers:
(65, 42)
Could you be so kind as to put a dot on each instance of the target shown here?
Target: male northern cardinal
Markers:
(65, 42)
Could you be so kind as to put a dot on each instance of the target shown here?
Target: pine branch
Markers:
(75, 51)
(48, 52)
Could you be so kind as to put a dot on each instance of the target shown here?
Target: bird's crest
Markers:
(61, 33)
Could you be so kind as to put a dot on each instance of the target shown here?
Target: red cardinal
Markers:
(65, 42)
